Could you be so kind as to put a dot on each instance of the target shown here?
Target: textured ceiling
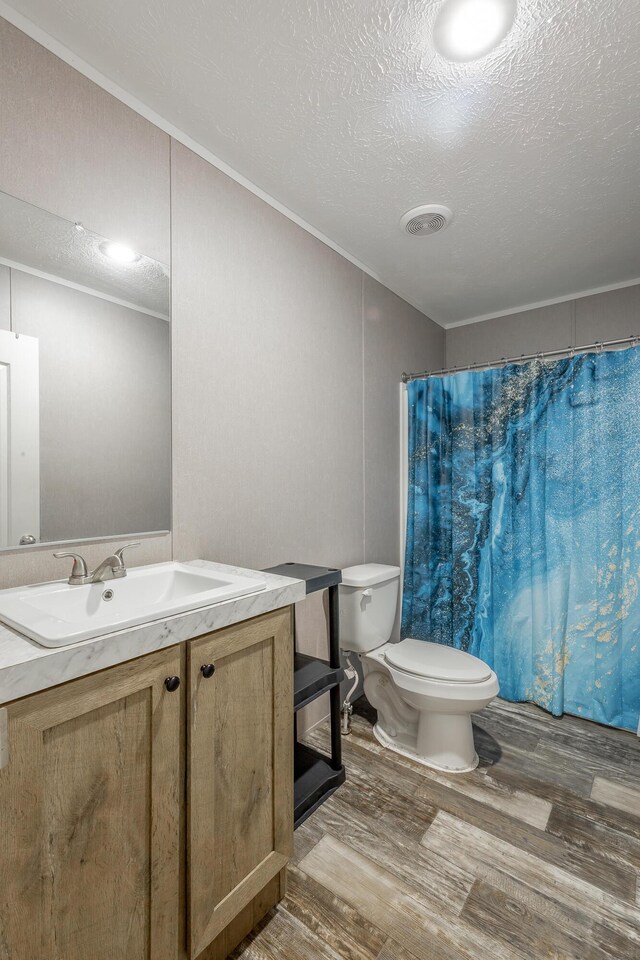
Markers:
(35, 238)
(343, 111)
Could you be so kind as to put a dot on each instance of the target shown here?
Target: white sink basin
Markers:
(56, 614)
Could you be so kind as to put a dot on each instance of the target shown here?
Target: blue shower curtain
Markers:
(523, 528)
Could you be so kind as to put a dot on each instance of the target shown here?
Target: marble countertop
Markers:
(26, 667)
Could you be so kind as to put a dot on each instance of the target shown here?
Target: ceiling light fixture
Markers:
(468, 29)
(119, 252)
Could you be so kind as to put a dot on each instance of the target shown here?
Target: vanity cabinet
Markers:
(90, 807)
(240, 770)
(147, 810)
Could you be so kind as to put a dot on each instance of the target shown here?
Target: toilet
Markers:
(424, 692)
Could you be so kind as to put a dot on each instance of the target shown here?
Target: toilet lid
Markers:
(435, 661)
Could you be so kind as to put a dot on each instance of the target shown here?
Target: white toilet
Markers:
(424, 693)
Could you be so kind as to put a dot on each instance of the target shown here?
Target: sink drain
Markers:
(107, 595)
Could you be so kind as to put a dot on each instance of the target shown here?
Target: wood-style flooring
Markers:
(534, 855)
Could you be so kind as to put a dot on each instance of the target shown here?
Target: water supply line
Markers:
(350, 673)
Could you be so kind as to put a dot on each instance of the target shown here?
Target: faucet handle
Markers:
(79, 570)
(118, 553)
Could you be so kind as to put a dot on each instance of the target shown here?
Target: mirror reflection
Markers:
(85, 382)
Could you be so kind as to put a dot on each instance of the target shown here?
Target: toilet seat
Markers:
(434, 661)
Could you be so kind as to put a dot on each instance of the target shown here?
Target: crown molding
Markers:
(543, 303)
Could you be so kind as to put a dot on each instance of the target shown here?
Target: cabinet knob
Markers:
(172, 684)
(207, 670)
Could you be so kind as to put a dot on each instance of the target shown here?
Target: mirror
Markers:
(85, 383)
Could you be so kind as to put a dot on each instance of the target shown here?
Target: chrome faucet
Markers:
(112, 568)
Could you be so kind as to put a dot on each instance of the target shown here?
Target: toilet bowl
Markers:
(424, 692)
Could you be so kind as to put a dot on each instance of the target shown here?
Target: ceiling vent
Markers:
(426, 220)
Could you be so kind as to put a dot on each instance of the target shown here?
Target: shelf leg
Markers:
(334, 660)
(336, 734)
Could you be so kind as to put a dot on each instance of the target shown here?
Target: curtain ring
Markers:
(572, 351)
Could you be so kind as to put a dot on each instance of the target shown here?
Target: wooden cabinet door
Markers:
(89, 800)
(240, 769)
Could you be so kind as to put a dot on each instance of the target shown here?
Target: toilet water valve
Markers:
(345, 715)
(350, 673)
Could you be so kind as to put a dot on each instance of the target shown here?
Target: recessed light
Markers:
(119, 252)
(469, 29)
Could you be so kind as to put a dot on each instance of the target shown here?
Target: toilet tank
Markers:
(368, 602)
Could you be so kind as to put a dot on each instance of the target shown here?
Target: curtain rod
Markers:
(523, 358)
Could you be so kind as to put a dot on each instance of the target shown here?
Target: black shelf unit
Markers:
(316, 776)
(312, 677)
(315, 781)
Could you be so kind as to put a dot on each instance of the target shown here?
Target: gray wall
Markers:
(286, 358)
(267, 373)
(5, 298)
(396, 340)
(105, 411)
(286, 401)
(603, 316)
(287, 362)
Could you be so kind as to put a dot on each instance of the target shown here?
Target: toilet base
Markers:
(451, 752)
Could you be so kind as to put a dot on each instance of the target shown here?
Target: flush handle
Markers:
(367, 593)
